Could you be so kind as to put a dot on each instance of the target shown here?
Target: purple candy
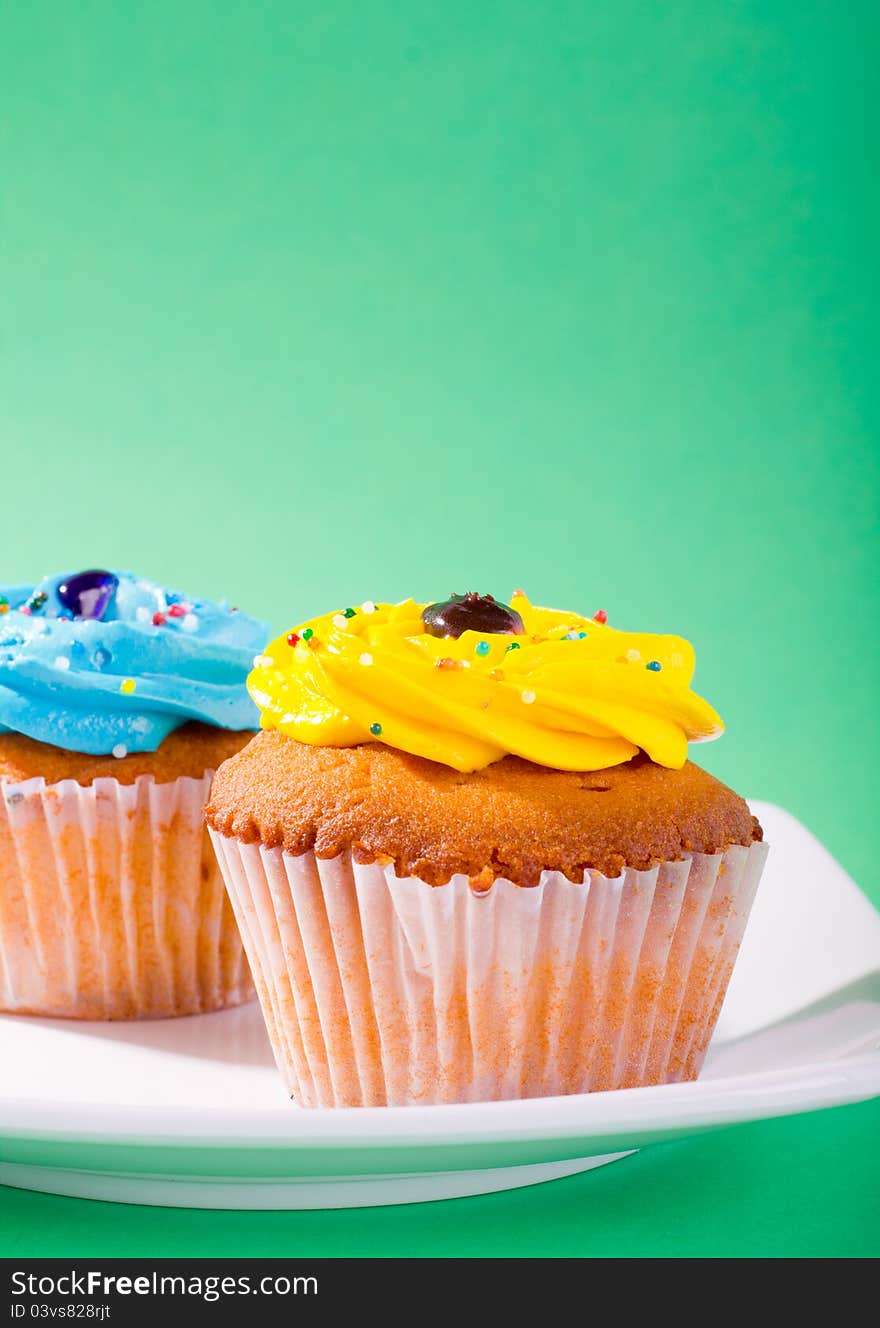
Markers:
(88, 594)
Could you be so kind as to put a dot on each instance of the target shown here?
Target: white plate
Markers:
(190, 1112)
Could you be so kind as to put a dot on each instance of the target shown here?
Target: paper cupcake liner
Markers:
(111, 902)
(379, 990)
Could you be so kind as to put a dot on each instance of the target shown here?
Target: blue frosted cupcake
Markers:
(118, 699)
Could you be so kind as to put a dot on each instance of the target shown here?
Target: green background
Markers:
(309, 303)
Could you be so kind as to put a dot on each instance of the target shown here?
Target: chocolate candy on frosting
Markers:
(472, 613)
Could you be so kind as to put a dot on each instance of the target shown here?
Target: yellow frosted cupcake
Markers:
(470, 859)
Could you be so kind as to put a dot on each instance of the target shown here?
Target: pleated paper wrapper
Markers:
(379, 990)
(111, 902)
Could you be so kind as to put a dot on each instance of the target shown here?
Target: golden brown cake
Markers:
(513, 819)
(189, 750)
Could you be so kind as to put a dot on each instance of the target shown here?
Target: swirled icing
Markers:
(154, 660)
(571, 692)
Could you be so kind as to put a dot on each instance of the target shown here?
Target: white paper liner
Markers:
(111, 902)
(378, 990)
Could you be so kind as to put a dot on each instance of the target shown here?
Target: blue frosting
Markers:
(68, 681)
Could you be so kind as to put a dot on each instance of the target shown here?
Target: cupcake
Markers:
(470, 859)
(118, 700)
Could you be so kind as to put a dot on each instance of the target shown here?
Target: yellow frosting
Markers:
(552, 695)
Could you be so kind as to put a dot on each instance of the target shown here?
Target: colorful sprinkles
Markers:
(376, 729)
(127, 686)
(292, 638)
(527, 697)
(481, 648)
(654, 665)
(173, 607)
(600, 616)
